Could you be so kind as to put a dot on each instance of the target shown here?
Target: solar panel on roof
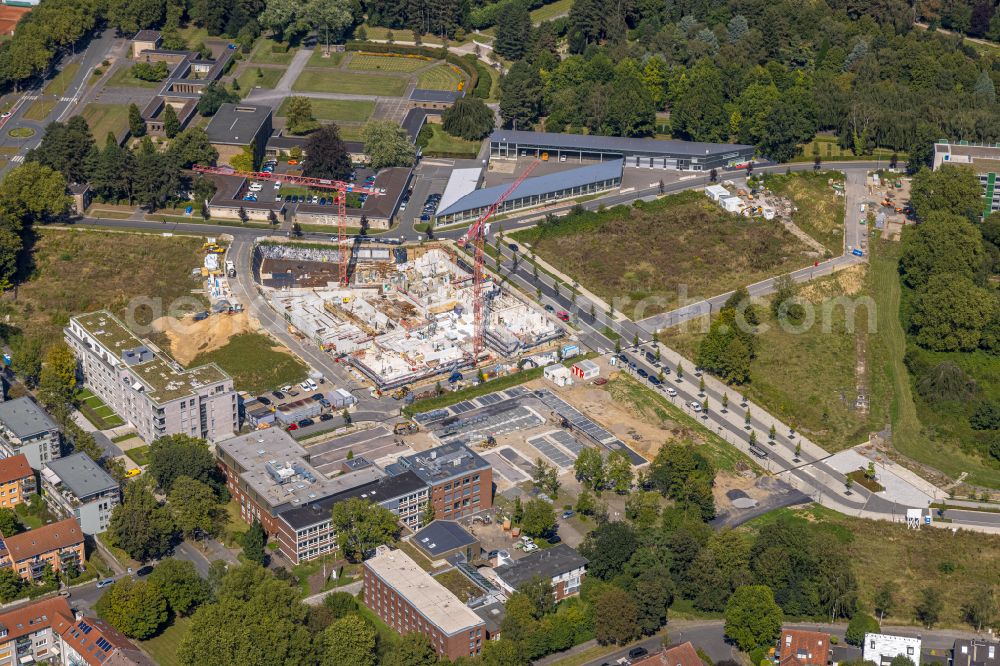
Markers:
(85, 628)
(103, 643)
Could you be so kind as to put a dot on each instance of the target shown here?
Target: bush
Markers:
(986, 416)
(860, 625)
(146, 71)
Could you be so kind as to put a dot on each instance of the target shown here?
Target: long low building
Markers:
(637, 153)
(537, 191)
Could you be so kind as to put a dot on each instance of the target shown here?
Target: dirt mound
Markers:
(188, 337)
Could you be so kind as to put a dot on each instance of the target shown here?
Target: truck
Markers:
(230, 268)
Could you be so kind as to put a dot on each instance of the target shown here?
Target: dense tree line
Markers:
(975, 18)
(771, 74)
(950, 304)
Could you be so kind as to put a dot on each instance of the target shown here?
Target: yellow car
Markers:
(133, 472)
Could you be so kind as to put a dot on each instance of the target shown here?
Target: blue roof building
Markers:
(536, 191)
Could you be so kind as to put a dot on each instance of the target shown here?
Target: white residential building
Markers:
(881, 648)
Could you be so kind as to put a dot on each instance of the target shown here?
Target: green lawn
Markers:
(442, 142)
(122, 78)
(317, 59)
(336, 109)
(163, 648)
(440, 77)
(263, 55)
(351, 132)
(139, 455)
(104, 118)
(249, 79)
(193, 34)
(830, 150)
(40, 109)
(551, 11)
(820, 211)
(254, 364)
(386, 63)
(359, 84)
(62, 81)
(99, 414)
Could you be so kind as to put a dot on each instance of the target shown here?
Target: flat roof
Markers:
(430, 598)
(164, 379)
(23, 417)
(546, 563)
(461, 182)
(425, 95)
(440, 463)
(442, 536)
(615, 144)
(276, 468)
(414, 121)
(237, 124)
(79, 474)
(379, 491)
(539, 185)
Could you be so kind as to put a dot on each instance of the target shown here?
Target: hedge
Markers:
(436, 53)
(484, 86)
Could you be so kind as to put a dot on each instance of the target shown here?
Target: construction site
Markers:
(405, 316)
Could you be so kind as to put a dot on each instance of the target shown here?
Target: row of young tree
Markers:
(729, 73)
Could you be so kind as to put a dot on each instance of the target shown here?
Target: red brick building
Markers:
(802, 648)
(675, 655)
(461, 481)
(409, 599)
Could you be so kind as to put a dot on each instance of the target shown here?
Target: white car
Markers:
(530, 547)
(695, 406)
(255, 187)
(312, 385)
(671, 391)
(277, 184)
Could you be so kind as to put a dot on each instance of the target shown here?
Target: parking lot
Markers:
(277, 190)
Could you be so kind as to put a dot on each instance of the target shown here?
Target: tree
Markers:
(608, 547)
(468, 118)
(349, 640)
(616, 617)
(546, 477)
(33, 193)
(753, 619)
(156, 176)
(57, 381)
(111, 176)
(328, 156)
(11, 585)
(586, 504)
(413, 649)
(942, 243)
(214, 96)
(653, 594)
(980, 608)
(521, 93)
(950, 313)
(253, 543)
(26, 358)
(136, 125)
(329, 18)
(643, 508)
(949, 189)
(10, 524)
(171, 124)
(181, 586)
(513, 30)
(300, 116)
(984, 90)
(619, 471)
(140, 525)
(860, 624)
(67, 148)
(589, 468)
(174, 456)
(195, 508)
(539, 518)
(727, 349)
(928, 608)
(387, 145)
(361, 526)
(138, 609)
(192, 147)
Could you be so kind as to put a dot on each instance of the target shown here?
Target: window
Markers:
(909, 651)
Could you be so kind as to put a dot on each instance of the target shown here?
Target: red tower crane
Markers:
(477, 234)
(342, 187)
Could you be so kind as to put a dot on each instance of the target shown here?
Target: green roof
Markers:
(164, 378)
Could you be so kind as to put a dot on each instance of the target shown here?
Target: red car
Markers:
(563, 315)
(294, 426)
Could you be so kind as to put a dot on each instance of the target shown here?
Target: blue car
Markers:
(857, 253)
(425, 217)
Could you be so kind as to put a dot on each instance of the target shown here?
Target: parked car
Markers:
(134, 472)
(263, 399)
(637, 653)
(695, 406)
(317, 396)
(326, 417)
(105, 582)
(305, 423)
(642, 373)
(311, 384)
(293, 426)
(278, 394)
(671, 391)
(549, 308)
(144, 571)
(568, 513)
(513, 247)
(563, 315)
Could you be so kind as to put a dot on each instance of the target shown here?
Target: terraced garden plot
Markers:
(386, 63)
(441, 77)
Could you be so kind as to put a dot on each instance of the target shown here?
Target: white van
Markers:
(255, 187)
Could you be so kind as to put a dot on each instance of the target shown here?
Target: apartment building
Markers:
(26, 428)
(461, 481)
(271, 476)
(77, 487)
(28, 633)
(146, 387)
(562, 566)
(17, 481)
(57, 544)
(88, 641)
(409, 599)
